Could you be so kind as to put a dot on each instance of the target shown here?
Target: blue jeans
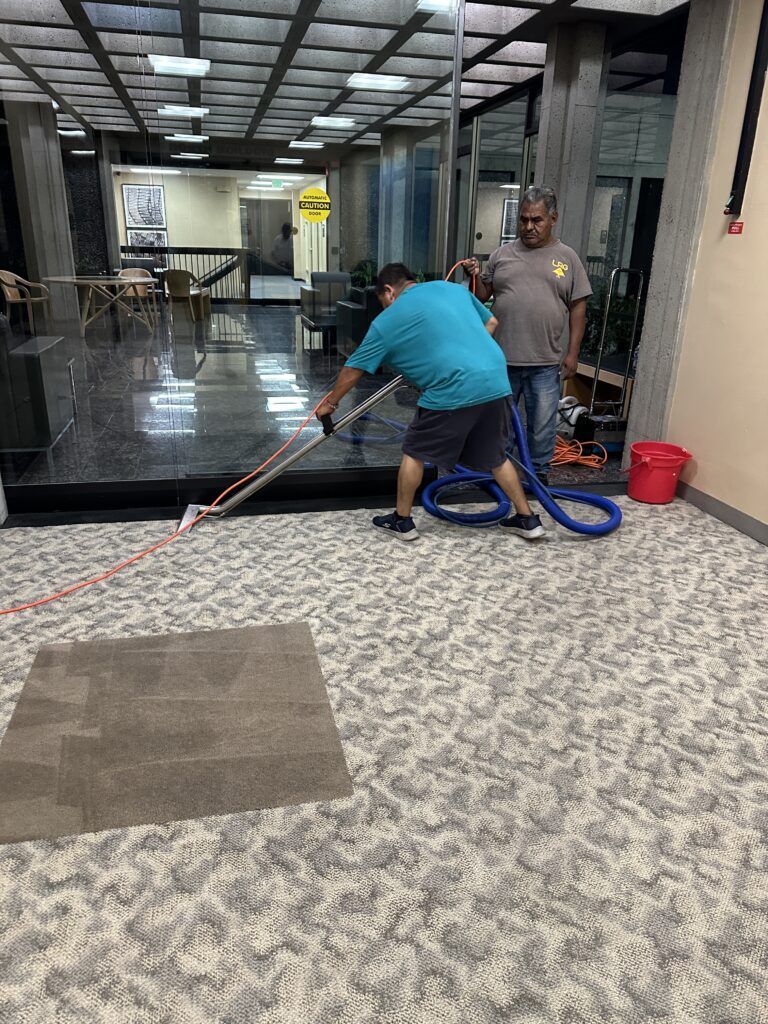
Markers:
(540, 388)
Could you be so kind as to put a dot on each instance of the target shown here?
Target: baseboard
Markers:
(725, 513)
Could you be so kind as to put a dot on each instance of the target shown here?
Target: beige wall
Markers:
(719, 409)
(196, 213)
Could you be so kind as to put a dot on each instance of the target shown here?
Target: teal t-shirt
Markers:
(434, 335)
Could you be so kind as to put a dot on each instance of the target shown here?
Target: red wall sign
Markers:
(736, 227)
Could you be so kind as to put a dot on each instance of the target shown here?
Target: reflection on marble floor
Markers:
(268, 287)
(207, 398)
(217, 396)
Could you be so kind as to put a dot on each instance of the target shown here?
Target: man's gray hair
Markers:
(541, 194)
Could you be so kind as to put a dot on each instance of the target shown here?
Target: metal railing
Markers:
(224, 271)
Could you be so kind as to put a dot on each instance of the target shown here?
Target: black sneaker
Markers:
(526, 526)
(402, 528)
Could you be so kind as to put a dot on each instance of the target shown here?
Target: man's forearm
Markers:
(483, 291)
(577, 323)
(345, 382)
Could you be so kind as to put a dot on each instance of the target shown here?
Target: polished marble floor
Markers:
(265, 287)
(207, 398)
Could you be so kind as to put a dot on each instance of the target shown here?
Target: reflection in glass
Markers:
(220, 313)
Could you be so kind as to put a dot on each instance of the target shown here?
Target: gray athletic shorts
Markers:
(476, 437)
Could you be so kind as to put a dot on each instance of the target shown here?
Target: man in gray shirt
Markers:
(536, 282)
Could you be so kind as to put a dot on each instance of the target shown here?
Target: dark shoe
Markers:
(526, 526)
(402, 528)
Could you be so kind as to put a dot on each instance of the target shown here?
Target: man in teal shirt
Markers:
(440, 338)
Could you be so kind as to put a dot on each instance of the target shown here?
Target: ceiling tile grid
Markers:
(274, 64)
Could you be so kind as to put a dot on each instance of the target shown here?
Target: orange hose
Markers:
(162, 543)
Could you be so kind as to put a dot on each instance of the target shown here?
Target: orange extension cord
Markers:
(569, 453)
(162, 543)
(559, 460)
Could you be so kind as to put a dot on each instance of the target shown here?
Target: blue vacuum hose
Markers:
(463, 479)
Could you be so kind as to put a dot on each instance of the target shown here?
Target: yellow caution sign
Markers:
(314, 204)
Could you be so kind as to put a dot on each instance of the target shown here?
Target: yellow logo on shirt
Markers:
(560, 268)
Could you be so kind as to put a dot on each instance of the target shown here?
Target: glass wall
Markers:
(636, 135)
(191, 219)
(497, 161)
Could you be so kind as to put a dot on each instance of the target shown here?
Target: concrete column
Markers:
(42, 197)
(332, 224)
(572, 102)
(702, 86)
(396, 196)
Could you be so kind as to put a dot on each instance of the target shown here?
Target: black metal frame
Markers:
(749, 126)
(300, 488)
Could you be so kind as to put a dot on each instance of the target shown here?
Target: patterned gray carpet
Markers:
(561, 785)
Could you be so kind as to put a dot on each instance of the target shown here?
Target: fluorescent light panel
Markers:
(185, 138)
(83, 152)
(188, 156)
(436, 6)
(152, 170)
(288, 160)
(277, 174)
(189, 67)
(333, 122)
(70, 132)
(298, 144)
(264, 188)
(172, 110)
(386, 83)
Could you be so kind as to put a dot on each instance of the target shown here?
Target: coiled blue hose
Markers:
(465, 478)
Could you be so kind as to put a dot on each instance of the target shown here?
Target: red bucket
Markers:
(654, 471)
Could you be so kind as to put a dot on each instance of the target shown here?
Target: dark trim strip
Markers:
(749, 126)
(725, 513)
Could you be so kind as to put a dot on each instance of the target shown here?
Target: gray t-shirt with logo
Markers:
(533, 290)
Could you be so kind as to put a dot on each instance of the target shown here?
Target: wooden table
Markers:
(114, 290)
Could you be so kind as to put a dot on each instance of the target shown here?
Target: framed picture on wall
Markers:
(509, 220)
(144, 206)
(148, 239)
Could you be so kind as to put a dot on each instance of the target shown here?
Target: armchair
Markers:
(17, 292)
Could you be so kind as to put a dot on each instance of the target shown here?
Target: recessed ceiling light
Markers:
(70, 131)
(387, 83)
(436, 6)
(188, 156)
(288, 160)
(333, 122)
(186, 138)
(510, 186)
(264, 188)
(280, 175)
(152, 170)
(83, 152)
(298, 144)
(191, 67)
(177, 111)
